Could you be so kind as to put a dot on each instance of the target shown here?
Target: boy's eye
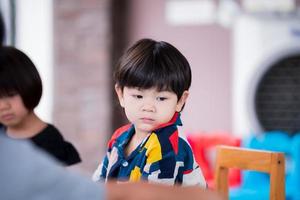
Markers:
(137, 96)
(161, 98)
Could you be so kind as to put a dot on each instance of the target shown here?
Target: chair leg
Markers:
(277, 177)
(221, 182)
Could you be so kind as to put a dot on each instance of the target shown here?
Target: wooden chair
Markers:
(257, 160)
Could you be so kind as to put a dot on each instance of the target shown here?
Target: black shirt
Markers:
(51, 141)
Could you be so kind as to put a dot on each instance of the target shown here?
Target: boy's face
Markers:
(12, 110)
(149, 108)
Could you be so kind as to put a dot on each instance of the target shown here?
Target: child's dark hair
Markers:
(149, 63)
(18, 75)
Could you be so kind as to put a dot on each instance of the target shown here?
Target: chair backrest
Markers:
(247, 159)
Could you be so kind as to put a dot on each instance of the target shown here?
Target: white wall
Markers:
(34, 36)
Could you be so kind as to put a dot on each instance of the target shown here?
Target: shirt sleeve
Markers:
(27, 172)
(191, 173)
(101, 171)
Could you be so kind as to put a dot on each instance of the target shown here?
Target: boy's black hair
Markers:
(149, 63)
(18, 75)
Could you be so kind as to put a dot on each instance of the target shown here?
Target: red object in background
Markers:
(204, 148)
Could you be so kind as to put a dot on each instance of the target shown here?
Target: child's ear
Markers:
(119, 92)
(182, 100)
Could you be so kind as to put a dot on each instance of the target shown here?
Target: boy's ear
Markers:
(182, 101)
(120, 94)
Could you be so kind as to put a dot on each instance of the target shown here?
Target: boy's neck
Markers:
(139, 136)
(135, 141)
(29, 127)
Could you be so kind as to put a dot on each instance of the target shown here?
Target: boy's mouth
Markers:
(147, 120)
(6, 117)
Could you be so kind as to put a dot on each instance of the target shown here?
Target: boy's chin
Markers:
(145, 128)
(10, 123)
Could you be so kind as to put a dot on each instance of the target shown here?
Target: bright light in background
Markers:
(269, 5)
(34, 36)
(190, 12)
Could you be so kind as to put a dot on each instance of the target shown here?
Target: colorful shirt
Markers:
(162, 157)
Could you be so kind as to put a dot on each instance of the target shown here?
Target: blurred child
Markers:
(20, 93)
(152, 83)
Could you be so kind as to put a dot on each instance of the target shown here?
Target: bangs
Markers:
(149, 74)
(8, 85)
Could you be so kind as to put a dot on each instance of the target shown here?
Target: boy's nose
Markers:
(3, 104)
(148, 107)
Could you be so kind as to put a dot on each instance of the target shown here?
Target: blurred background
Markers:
(244, 56)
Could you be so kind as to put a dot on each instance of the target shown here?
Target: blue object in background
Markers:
(256, 185)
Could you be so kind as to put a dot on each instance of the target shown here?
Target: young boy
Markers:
(152, 82)
(20, 93)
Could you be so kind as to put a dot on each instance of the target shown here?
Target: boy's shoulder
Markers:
(117, 134)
